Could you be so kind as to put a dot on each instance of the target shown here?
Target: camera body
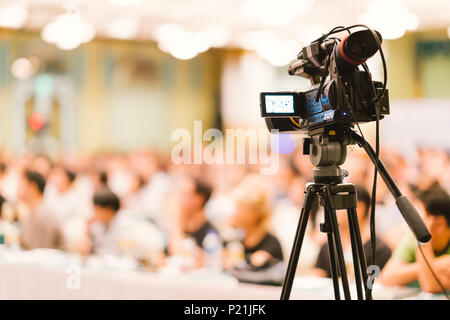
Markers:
(341, 93)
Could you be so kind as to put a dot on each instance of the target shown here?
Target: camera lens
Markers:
(357, 49)
(361, 45)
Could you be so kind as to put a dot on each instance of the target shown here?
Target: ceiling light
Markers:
(13, 15)
(23, 68)
(277, 51)
(275, 13)
(68, 30)
(390, 17)
(124, 28)
(411, 21)
(179, 42)
(217, 36)
(124, 3)
(184, 44)
(308, 34)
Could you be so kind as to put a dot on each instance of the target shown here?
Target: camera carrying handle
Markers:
(408, 211)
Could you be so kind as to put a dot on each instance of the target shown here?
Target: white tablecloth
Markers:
(49, 275)
(18, 281)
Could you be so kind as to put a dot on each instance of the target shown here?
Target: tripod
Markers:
(327, 149)
(332, 198)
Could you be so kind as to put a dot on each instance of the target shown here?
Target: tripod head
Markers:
(327, 150)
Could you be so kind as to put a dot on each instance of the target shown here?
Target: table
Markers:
(31, 279)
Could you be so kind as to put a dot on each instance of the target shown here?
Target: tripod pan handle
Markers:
(413, 219)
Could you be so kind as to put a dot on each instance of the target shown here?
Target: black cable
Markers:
(329, 33)
(373, 235)
(372, 221)
(444, 291)
(375, 100)
(372, 229)
(377, 140)
(372, 216)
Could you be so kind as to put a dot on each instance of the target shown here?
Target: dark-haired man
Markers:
(382, 254)
(104, 224)
(39, 225)
(193, 194)
(112, 231)
(408, 266)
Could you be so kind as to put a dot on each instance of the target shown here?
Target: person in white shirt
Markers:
(114, 231)
(63, 195)
(103, 226)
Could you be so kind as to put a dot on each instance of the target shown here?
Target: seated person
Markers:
(383, 253)
(408, 266)
(103, 225)
(261, 249)
(39, 225)
(64, 195)
(193, 194)
(114, 231)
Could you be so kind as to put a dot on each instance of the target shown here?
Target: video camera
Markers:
(341, 93)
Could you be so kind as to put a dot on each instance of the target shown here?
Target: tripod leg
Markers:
(328, 202)
(332, 253)
(359, 244)
(355, 254)
(296, 247)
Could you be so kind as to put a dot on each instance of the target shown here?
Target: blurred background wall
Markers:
(112, 94)
(105, 95)
(419, 65)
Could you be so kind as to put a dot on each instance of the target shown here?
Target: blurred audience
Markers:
(141, 205)
(411, 262)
